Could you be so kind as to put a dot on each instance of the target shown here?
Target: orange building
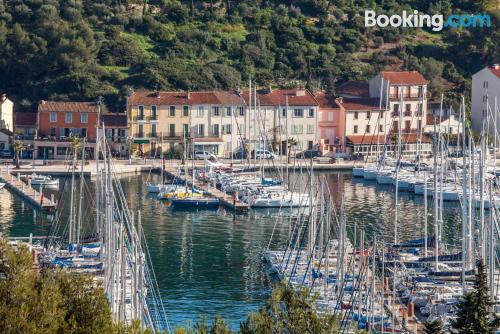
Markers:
(58, 121)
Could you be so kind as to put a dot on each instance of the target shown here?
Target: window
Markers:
(201, 111)
(310, 113)
(121, 133)
(381, 114)
(52, 132)
(407, 125)
(229, 111)
(408, 110)
(368, 115)
(241, 111)
(228, 129)
(380, 128)
(215, 130)
(330, 116)
(83, 132)
(355, 115)
(419, 125)
(395, 126)
(297, 129)
(153, 131)
(62, 150)
(185, 111)
(310, 128)
(154, 115)
(171, 112)
(368, 128)
(84, 118)
(171, 130)
(396, 108)
(419, 109)
(298, 112)
(185, 130)
(216, 111)
(201, 130)
(53, 116)
(140, 113)
(68, 117)
(141, 131)
(355, 130)
(284, 112)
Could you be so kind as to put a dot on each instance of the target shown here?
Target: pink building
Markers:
(331, 124)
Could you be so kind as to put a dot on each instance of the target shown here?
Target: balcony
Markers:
(407, 113)
(152, 118)
(139, 118)
(117, 139)
(406, 97)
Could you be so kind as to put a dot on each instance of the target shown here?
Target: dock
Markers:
(28, 194)
(225, 200)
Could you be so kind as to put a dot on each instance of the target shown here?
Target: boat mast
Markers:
(464, 196)
(80, 199)
(425, 214)
(286, 141)
(491, 245)
(72, 199)
(398, 161)
(436, 196)
(482, 250)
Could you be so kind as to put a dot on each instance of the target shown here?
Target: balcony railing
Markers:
(61, 138)
(139, 118)
(158, 136)
(407, 113)
(405, 96)
(152, 118)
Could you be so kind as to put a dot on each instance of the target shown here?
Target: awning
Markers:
(141, 141)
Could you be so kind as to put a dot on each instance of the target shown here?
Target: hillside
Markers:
(80, 49)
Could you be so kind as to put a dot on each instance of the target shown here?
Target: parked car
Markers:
(240, 154)
(308, 154)
(5, 154)
(263, 154)
(204, 155)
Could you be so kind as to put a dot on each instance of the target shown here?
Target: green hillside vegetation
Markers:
(79, 50)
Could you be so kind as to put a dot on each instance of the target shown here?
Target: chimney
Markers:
(300, 92)
(188, 95)
(340, 99)
(269, 89)
(4, 97)
(496, 66)
(42, 102)
(157, 94)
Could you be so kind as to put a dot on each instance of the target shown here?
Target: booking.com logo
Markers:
(418, 20)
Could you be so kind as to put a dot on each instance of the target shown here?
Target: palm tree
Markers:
(18, 146)
(291, 143)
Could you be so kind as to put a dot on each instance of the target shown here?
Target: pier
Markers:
(226, 200)
(27, 193)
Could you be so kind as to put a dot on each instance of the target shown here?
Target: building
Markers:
(404, 92)
(366, 125)
(6, 113)
(372, 113)
(5, 139)
(25, 127)
(271, 124)
(331, 124)
(485, 89)
(58, 121)
(116, 127)
(163, 121)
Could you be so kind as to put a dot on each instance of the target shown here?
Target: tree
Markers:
(292, 142)
(18, 146)
(289, 311)
(434, 327)
(474, 310)
(51, 302)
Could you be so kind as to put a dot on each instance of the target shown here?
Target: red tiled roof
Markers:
(181, 98)
(25, 119)
(117, 120)
(404, 77)
(410, 137)
(68, 106)
(325, 101)
(495, 70)
(357, 104)
(277, 97)
(354, 88)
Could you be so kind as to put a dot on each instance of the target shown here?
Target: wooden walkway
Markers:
(226, 200)
(28, 194)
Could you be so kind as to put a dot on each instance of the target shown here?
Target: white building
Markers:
(6, 113)
(485, 87)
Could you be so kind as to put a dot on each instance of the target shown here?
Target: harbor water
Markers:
(207, 263)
